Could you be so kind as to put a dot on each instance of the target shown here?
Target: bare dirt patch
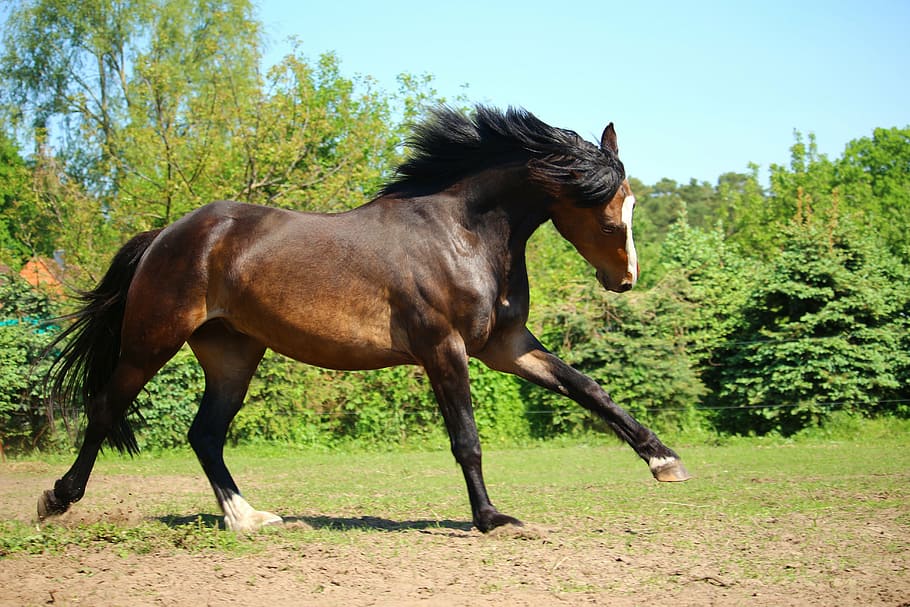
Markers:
(835, 558)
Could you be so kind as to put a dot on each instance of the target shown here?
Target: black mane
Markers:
(449, 145)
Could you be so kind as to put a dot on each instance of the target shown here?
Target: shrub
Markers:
(24, 337)
(825, 329)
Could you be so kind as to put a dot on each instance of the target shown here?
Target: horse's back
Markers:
(297, 282)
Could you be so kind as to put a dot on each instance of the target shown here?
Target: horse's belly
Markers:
(328, 336)
(343, 352)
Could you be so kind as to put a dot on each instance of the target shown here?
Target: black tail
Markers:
(92, 342)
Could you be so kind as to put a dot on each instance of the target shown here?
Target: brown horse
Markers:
(430, 272)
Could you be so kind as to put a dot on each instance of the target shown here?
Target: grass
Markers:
(583, 489)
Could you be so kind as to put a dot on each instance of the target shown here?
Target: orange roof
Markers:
(44, 273)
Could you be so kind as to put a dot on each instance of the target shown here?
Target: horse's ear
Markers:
(608, 139)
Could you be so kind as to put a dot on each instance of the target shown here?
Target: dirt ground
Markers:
(446, 563)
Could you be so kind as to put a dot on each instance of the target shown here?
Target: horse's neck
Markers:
(501, 206)
(509, 196)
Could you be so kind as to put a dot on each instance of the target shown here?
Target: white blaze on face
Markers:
(627, 205)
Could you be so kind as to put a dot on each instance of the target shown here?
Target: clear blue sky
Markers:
(696, 89)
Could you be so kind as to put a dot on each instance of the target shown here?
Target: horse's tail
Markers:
(92, 342)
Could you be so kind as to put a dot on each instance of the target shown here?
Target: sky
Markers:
(695, 89)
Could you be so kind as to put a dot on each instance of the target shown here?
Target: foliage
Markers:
(142, 110)
(15, 215)
(292, 403)
(736, 204)
(826, 329)
(631, 347)
(663, 204)
(874, 178)
(23, 339)
(707, 273)
(169, 402)
(760, 309)
(284, 405)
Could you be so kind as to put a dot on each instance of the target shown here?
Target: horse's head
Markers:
(601, 230)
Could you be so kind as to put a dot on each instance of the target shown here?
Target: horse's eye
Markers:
(609, 228)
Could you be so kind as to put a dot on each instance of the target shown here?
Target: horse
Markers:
(429, 272)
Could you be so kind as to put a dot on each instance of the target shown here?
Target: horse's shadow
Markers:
(334, 523)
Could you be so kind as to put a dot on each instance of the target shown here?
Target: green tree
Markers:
(810, 172)
(733, 203)
(824, 329)
(870, 183)
(141, 110)
(874, 179)
(645, 347)
(711, 279)
(745, 213)
(630, 346)
(65, 66)
(16, 215)
(316, 140)
(200, 61)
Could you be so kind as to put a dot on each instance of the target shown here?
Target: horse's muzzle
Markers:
(621, 287)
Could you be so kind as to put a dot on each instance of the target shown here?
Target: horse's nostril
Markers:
(623, 286)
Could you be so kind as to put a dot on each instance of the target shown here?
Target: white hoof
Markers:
(240, 517)
(668, 469)
(254, 521)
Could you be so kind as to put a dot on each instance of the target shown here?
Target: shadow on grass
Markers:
(375, 523)
(364, 523)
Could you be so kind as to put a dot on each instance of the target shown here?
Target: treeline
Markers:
(760, 309)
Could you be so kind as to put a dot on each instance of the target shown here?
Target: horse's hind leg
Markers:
(107, 410)
(152, 331)
(229, 360)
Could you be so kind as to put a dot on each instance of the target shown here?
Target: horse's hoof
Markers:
(49, 505)
(491, 521)
(253, 521)
(668, 470)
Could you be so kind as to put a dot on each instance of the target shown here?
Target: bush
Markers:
(169, 402)
(825, 330)
(24, 422)
(632, 346)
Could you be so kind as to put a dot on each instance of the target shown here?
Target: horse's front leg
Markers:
(520, 353)
(447, 368)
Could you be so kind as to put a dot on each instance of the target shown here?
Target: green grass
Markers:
(581, 489)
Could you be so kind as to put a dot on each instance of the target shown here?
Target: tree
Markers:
(736, 203)
(142, 110)
(874, 179)
(746, 214)
(870, 183)
(825, 329)
(15, 213)
(200, 62)
(645, 347)
(65, 65)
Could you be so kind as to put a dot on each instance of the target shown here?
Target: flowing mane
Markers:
(450, 145)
